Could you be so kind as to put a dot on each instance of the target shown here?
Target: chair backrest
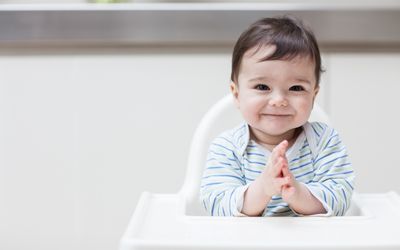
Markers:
(220, 117)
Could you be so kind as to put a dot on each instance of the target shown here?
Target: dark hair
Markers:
(290, 36)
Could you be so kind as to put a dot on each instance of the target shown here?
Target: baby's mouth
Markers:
(277, 115)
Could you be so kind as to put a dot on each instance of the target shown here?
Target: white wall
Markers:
(82, 134)
(364, 104)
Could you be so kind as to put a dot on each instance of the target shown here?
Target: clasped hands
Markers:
(277, 178)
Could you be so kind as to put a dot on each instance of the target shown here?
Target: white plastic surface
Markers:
(177, 221)
(159, 222)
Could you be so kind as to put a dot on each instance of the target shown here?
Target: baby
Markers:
(276, 163)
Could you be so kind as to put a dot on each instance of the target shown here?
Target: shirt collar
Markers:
(241, 135)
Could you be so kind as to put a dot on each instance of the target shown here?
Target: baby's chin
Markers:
(277, 132)
(280, 129)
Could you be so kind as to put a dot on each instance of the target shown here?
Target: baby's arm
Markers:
(300, 199)
(331, 188)
(268, 184)
(223, 183)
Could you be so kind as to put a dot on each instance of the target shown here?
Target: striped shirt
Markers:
(318, 159)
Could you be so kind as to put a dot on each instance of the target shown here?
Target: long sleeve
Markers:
(333, 181)
(223, 183)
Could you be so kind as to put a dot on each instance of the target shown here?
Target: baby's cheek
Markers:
(304, 110)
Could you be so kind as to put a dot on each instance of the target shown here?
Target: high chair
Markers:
(178, 221)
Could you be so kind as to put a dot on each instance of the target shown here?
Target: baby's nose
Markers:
(278, 100)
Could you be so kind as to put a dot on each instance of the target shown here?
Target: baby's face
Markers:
(275, 96)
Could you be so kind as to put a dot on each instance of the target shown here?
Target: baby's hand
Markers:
(272, 177)
(289, 190)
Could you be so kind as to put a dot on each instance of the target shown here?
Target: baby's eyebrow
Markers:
(259, 78)
(303, 80)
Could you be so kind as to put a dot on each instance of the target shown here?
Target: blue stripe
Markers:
(215, 167)
(305, 145)
(220, 162)
(281, 212)
(319, 125)
(211, 184)
(233, 153)
(331, 153)
(310, 172)
(233, 145)
(256, 154)
(222, 175)
(248, 179)
(348, 183)
(343, 165)
(340, 157)
(218, 153)
(318, 174)
(303, 165)
(255, 162)
(334, 145)
(347, 172)
(254, 171)
(223, 155)
(219, 145)
(274, 206)
(315, 131)
(329, 190)
(223, 163)
(302, 156)
(345, 196)
(332, 180)
(224, 167)
(343, 211)
(213, 206)
(327, 144)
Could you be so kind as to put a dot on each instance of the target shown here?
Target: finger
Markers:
(282, 182)
(284, 167)
(280, 149)
(286, 171)
(277, 168)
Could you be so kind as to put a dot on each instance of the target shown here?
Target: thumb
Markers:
(281, 148)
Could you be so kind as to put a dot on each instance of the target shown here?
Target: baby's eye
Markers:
(297, 88)
(262, 87)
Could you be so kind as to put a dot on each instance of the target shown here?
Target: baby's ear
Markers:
(316, 90)
(235, 93)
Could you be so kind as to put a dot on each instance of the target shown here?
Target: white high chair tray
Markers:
(159, 222)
